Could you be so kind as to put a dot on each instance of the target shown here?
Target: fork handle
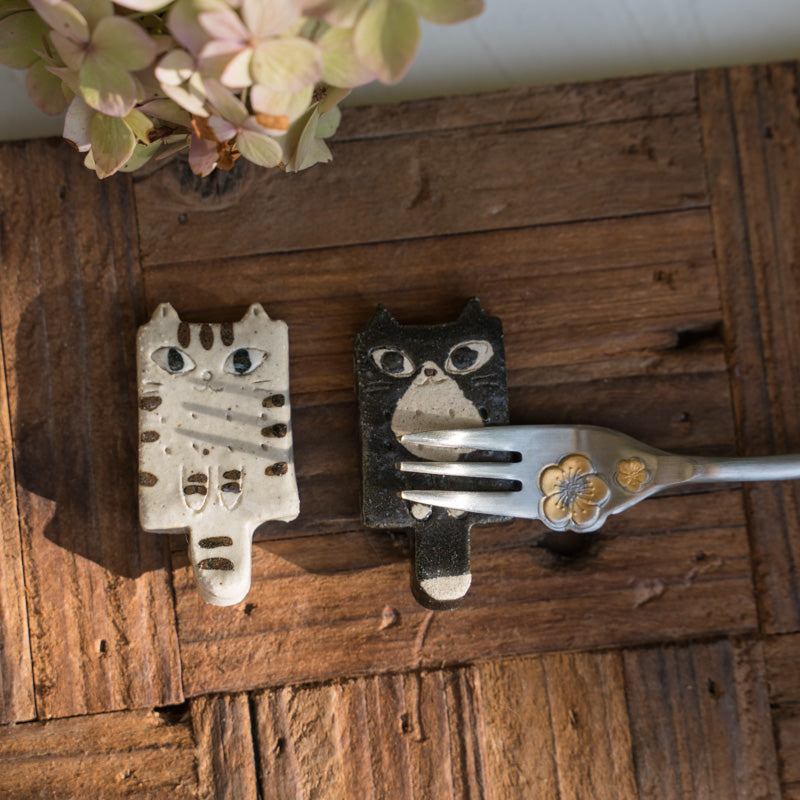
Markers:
(759, 468)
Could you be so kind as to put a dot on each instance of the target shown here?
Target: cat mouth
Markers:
(208, 386)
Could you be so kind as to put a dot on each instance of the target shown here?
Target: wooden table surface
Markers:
(638, 238)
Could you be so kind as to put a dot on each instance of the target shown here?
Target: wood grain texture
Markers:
(700, 721)
(646, 96)
(752, 144)
(318, 605)
(415, 735)
(100, 607)
(419, 186)
(782, 655)
(226, 766)
(16, 671)
(136, 754)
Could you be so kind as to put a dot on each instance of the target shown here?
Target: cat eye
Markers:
(393, 362)
(468, 357)
(244, 360)
(173, 360)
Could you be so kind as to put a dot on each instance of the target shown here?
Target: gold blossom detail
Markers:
(632, 474)
(573, 493)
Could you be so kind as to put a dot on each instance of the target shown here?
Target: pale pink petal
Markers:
(222, 129)
(202, 156)
(269, 19)
(224, 26)
(45, 89)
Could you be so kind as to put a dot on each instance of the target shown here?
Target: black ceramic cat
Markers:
(414, 378)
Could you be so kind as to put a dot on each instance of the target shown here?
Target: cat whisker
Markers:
(238, 445)
(223, 413)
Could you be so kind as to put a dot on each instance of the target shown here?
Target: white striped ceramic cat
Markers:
(215, 451)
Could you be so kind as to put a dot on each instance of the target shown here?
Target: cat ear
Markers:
(472, 310)
(165, 311)
(382, 317)
(256, 311)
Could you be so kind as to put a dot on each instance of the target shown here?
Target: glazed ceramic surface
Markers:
(215, 451)
(415, 378)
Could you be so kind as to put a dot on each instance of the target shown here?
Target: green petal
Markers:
(64, 18)
(124, 42)
(94, 10)
(280, 104)
(20, 35)
(328, 123)
(72, 53)
(113, 144)
(386, 38)
(260, 149)
(446, 12)
(341, 13)
(303, 148)
(140, 124)
(142, 153)
(106, 86)
(341, 66)
(45, 89)
(286, 65)
(226, 103)
(175, 68)
(166, 110)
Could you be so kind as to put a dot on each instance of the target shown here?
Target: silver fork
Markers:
(573, 477)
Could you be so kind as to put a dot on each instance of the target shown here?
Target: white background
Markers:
(529, 42)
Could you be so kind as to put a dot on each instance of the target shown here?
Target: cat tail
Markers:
(441, 563)
(221, 563)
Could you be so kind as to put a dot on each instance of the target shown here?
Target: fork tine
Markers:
(465, 469)
(499, 438)
(501, 504)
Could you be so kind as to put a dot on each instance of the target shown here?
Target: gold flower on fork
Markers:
(573, 492)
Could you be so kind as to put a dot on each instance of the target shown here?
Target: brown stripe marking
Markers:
(226, 333)
(147, 479)
(278, 468)
(206, 336)
(150, 436)
(195, 489)
(215, 541)
(274, 401)
(216, 563)
(231, 487)
(184, 334)
(150, 403)
(278, 431)
(198, 477)
(232, 475)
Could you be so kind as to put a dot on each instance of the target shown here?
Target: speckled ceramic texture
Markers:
(215, 439)
(413, 378)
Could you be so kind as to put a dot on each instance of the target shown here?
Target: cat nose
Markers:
(207, 376)
(430, 372)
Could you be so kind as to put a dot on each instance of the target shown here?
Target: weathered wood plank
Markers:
(700, 721)
(226, 767)
(642, 288)
(133, 754)
(752, 145)
(567, 104)
(432, 184)
(100, 606)
(318, 605)
(782, 655)
(395, 736)
(16, 672)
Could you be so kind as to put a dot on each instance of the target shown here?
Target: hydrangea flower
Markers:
(217, 79)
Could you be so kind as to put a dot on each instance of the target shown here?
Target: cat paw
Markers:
(442, 592)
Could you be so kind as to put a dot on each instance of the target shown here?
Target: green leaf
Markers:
(447, 12)
(329, 123)
(106, 86)
(45, 89)
(286, 65)
(124, 42)
(113, 144)
(64, 18)
(258, 148)
(341, 66)
(166, 110)
(20, 35)
(386, 38)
